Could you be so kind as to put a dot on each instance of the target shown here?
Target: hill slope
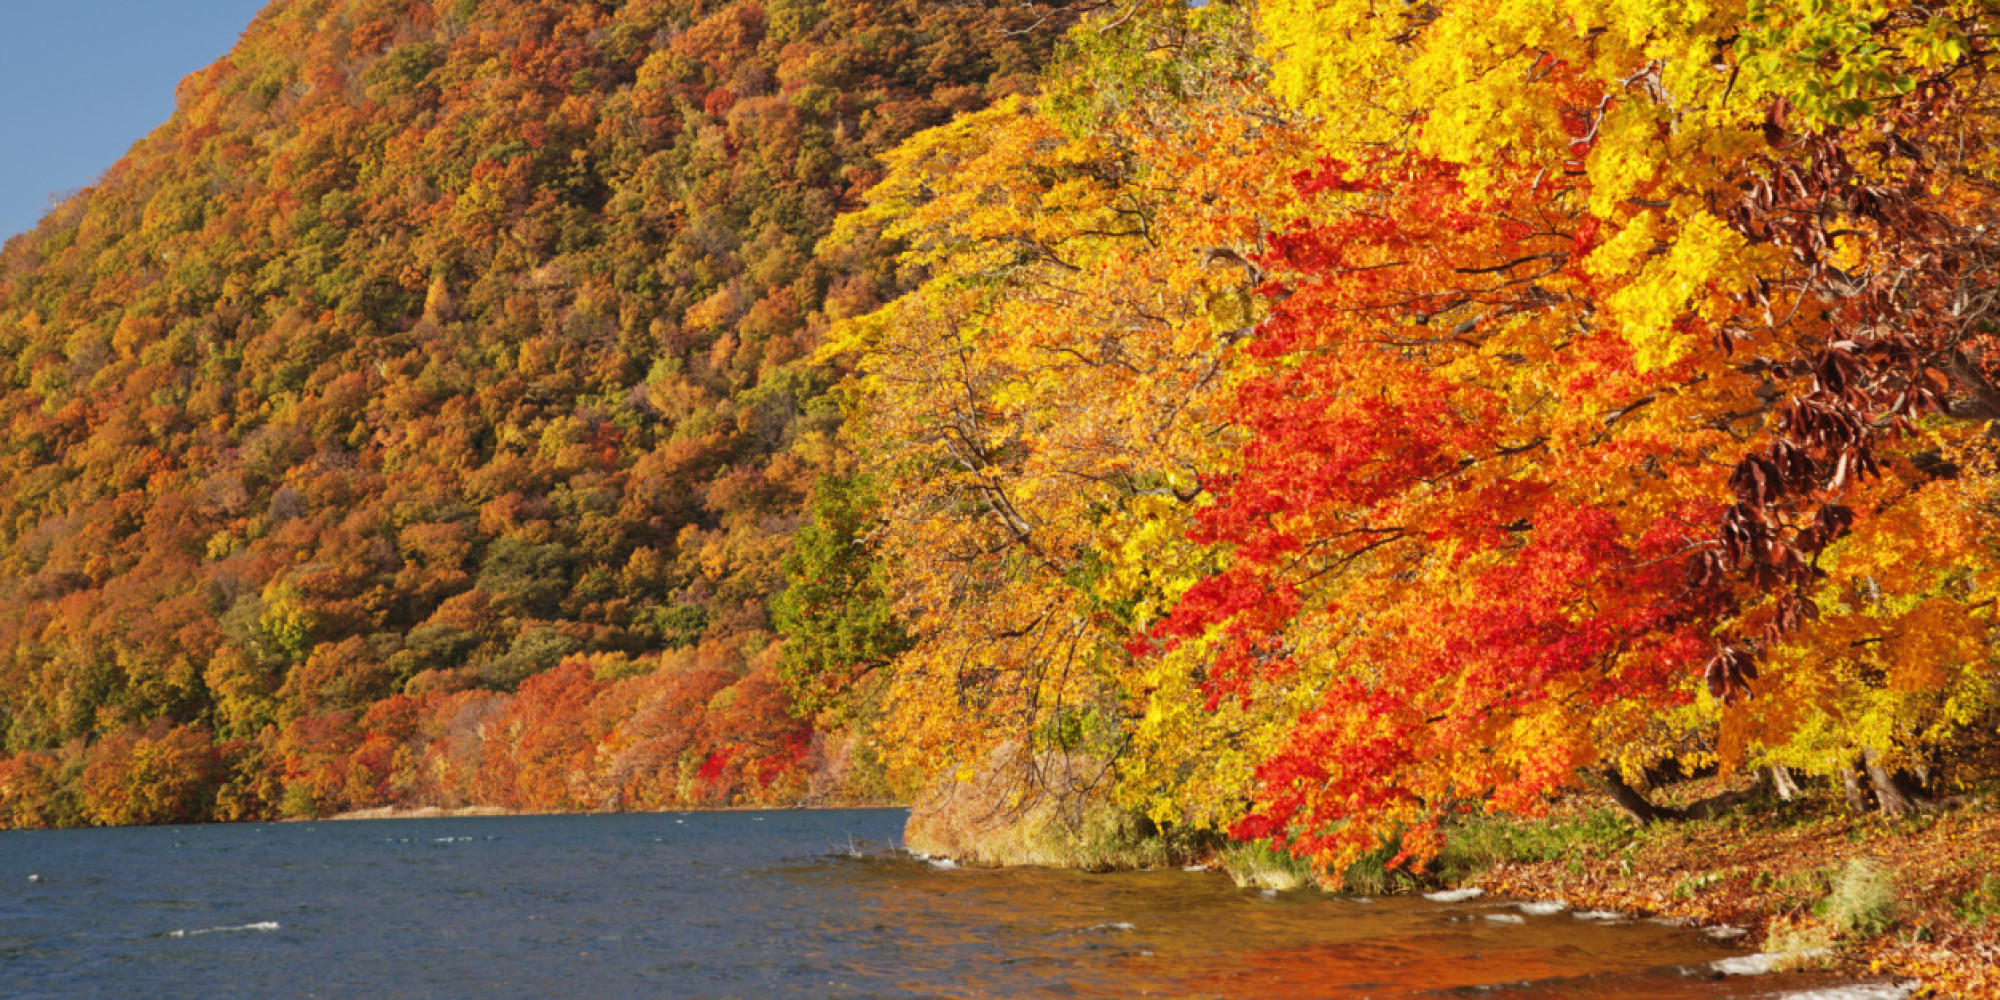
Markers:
(430, 346)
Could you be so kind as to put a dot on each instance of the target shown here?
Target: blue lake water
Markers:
(778, 904)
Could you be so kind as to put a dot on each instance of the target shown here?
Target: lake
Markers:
(745, 904)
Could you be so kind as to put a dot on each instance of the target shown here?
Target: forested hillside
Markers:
(422, 414)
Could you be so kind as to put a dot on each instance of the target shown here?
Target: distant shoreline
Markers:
(422, 812)
(440, 812)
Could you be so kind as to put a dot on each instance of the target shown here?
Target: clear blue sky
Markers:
(81, 80)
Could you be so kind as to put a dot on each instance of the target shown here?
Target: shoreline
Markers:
(1805, 886)
(1770, 878)
(462, 812)
(1905, 907)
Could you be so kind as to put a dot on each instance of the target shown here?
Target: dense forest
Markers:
(1344, 420)
(1317, 422)
(422, 414)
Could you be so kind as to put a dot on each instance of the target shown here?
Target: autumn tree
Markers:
(1039, 407)
(1582, 364)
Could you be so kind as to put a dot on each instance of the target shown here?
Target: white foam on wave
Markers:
(1724, 932)
(1194, 868)
(452, 840)
(1748, 965)
(1544, 908)
(1598, 915)
(1454, 895)
(264, 925)
(1506, 918)
(942, 864)
(1761, 963)
(1115, 925)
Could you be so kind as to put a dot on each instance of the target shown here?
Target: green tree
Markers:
(835, 612)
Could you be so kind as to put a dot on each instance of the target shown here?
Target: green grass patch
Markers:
(1980, 904)
(1473, 847)
(1479, 845)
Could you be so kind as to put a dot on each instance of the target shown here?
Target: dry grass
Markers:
(1257, 866)
(1052, 810)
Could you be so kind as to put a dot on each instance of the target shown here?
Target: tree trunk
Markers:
(1850, 781)
(1782, 782)
(1634, 804)
(1895, 794)
(1714, 805)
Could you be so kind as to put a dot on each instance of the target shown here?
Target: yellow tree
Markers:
(1039, 409)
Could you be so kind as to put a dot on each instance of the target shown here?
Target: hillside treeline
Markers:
(421, 414)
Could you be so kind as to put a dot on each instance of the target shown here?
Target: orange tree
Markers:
(1586, 289)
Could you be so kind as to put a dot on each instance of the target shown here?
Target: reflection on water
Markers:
(989, 933)
(748, 905)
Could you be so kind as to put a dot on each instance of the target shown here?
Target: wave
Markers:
(1454, 895)
(264, 925)
(1763, 962)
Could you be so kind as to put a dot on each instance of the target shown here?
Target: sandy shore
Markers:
(426, 812)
